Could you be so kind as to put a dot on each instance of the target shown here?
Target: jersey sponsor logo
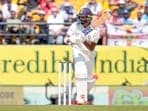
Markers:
(87, 30)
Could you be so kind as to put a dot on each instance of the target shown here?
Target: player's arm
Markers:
(71, 39)
(90, 45)
(92, 42)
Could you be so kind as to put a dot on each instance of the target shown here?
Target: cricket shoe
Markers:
(82, 101)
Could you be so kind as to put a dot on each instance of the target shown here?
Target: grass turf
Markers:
(73, 108)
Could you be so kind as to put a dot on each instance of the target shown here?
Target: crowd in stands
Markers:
(46, 21)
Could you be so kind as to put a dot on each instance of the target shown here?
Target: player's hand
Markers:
(74, 39)
(67, 40)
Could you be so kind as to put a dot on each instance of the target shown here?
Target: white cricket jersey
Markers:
(89, 33)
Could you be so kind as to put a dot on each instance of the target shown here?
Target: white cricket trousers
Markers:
(83, 74)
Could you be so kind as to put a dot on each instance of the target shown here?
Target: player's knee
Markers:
(82, 73)
(81, 70)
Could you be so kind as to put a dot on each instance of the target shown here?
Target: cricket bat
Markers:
(105, 15)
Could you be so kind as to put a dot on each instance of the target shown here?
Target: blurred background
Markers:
(46, 21)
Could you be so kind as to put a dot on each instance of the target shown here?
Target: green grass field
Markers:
(74, 108)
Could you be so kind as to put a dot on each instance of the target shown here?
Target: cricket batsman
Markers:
(83, 38)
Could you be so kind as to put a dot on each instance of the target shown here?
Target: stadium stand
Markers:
(32, 18)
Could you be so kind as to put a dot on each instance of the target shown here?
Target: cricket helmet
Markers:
(85, 15)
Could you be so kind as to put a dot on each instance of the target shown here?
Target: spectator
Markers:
(126, 18)
(31, 4)
(95, 7)
(22, 2)
(112, 22)
(130, 5)
(67, 23)
(29, 28)
(27, 16)
(43, 28)
(22, 14)
(145, 16)
(69, 15)
(56, 26)
(115, 19)
(22, 6)
(121, 8)
(13, 23)
(47, 5)
(139, 22)
(13, 27)
(67, 10)
(28, 25)
(2, 26)
(7, 8)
